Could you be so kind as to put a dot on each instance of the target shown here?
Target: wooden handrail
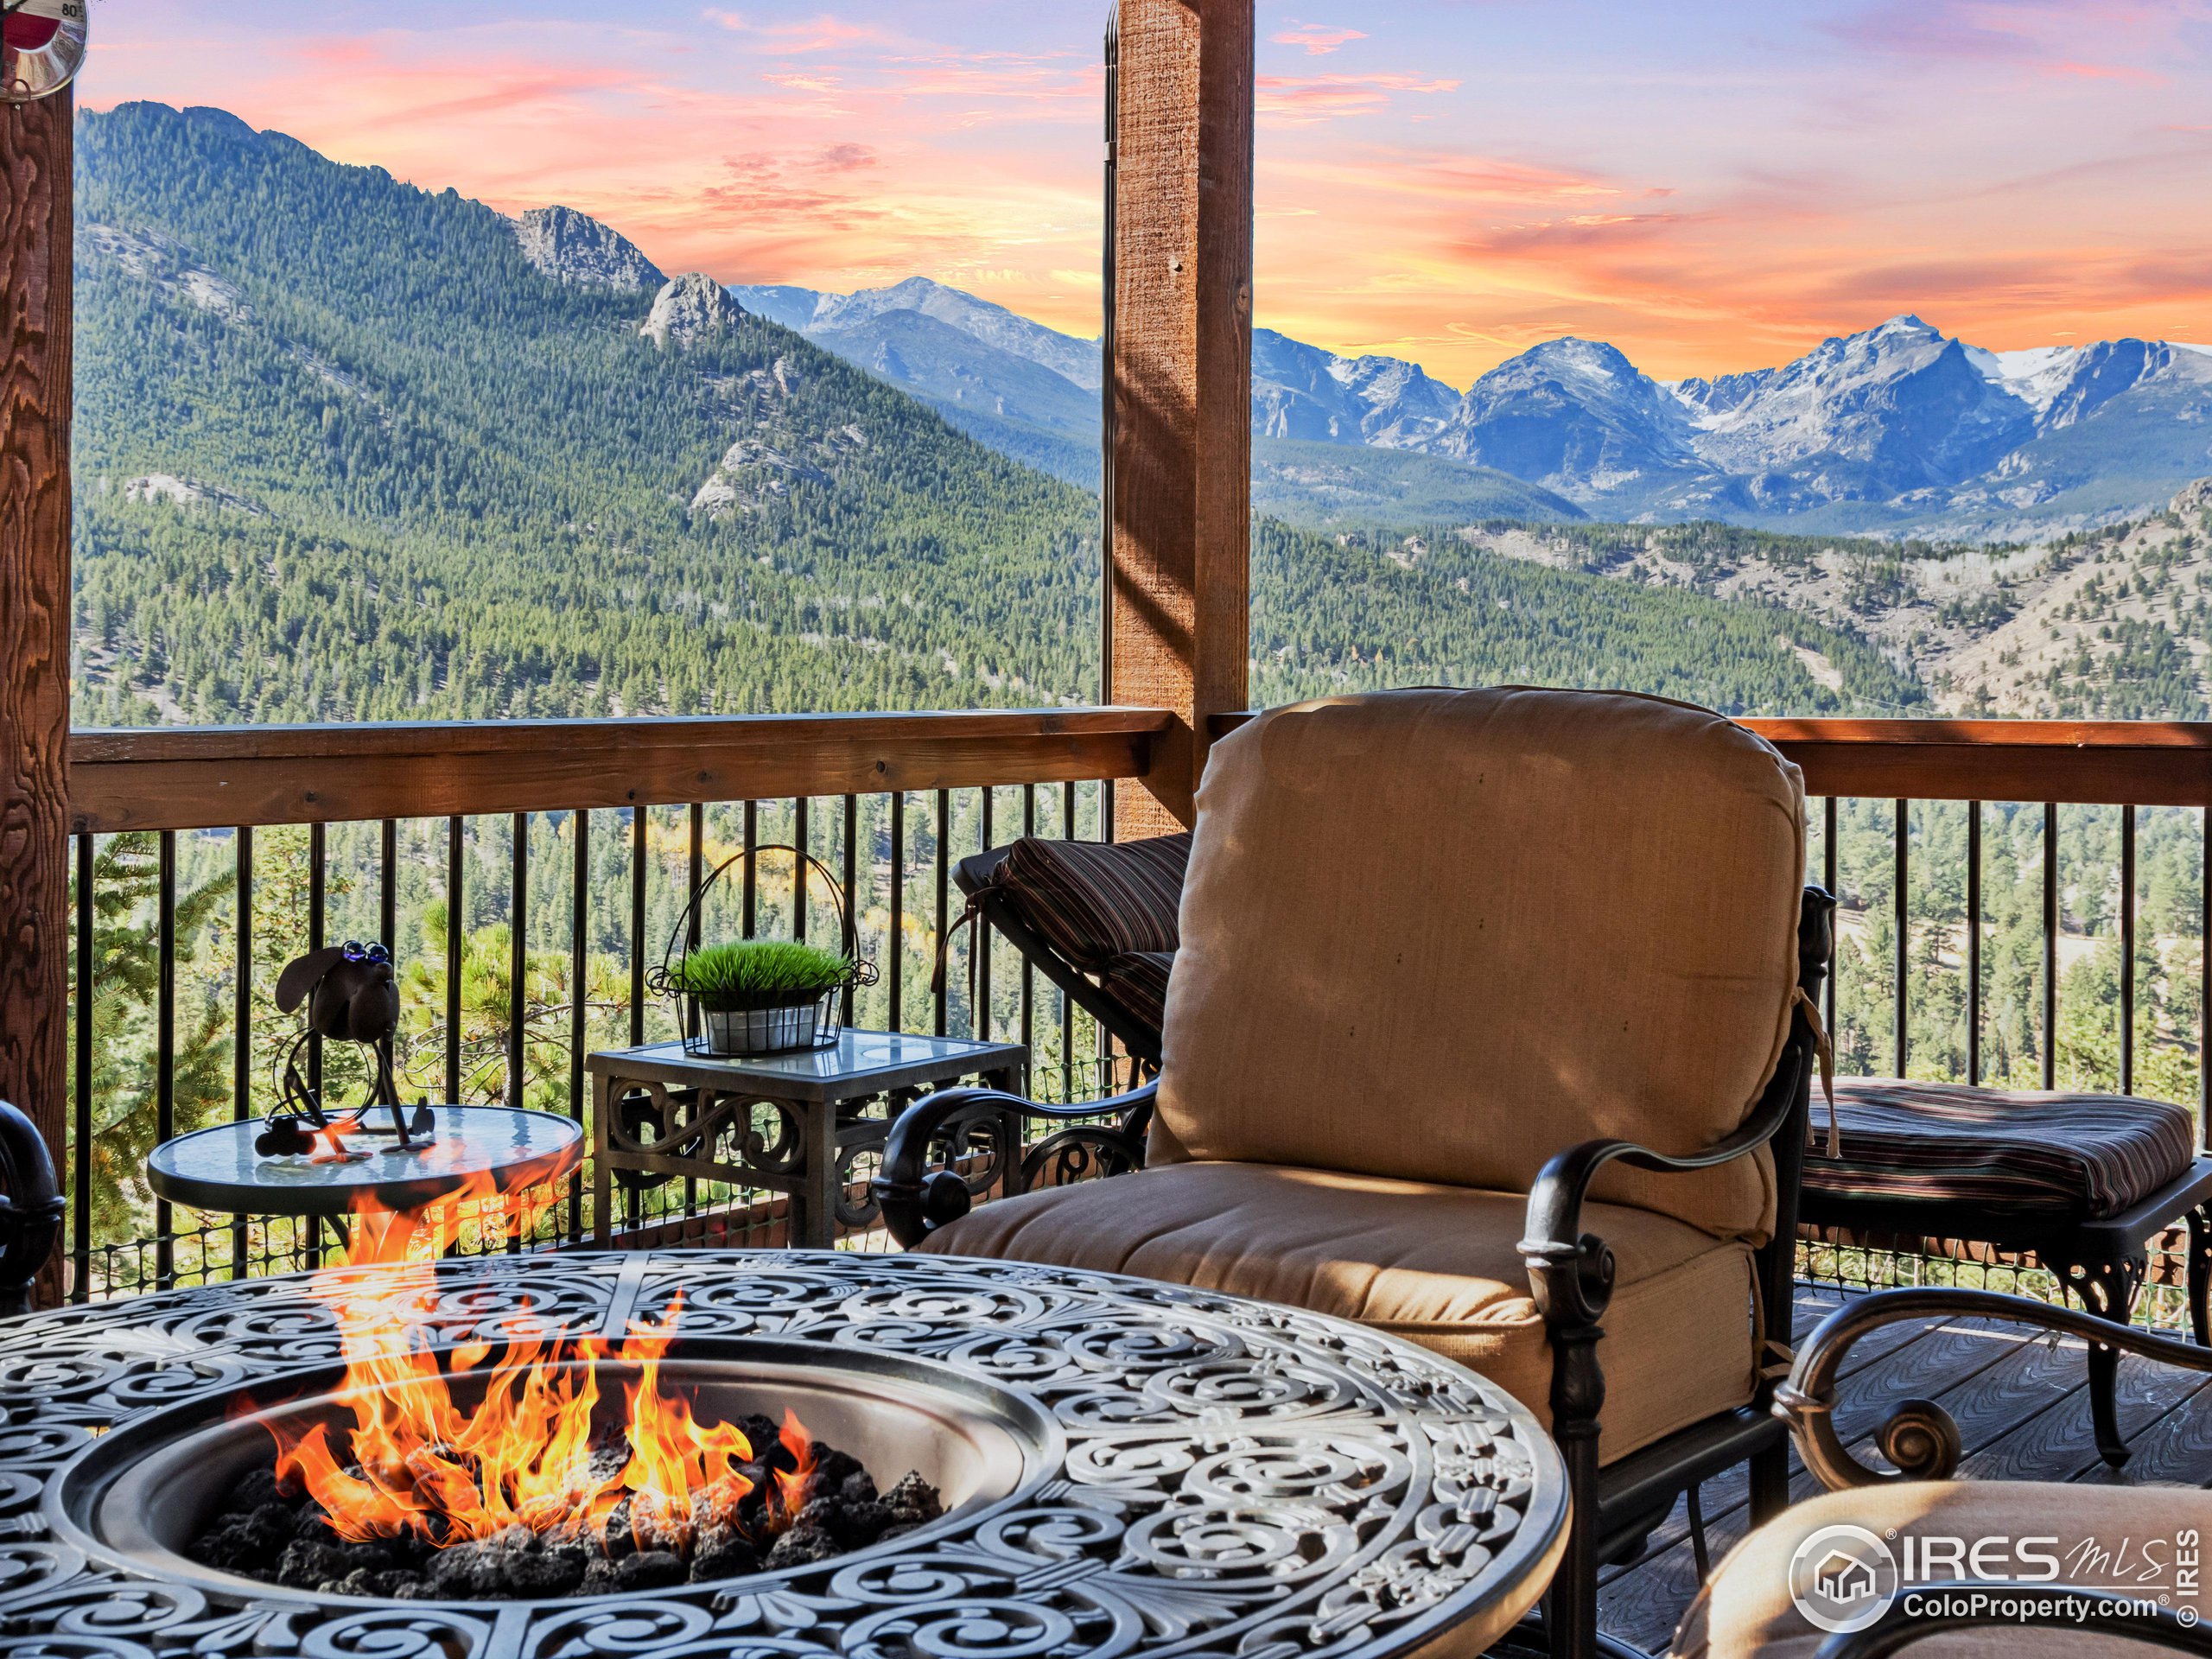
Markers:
(2073, 762)
(225, 777)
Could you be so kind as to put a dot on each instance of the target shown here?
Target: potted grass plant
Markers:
(762, 996)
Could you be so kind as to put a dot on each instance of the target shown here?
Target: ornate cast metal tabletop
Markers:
(1219, 1477)
(790, 1123)
(218, 1170)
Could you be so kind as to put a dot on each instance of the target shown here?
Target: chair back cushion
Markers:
(1094, 901)
(1441, 936)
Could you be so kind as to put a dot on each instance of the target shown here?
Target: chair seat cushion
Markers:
(2089, 1156)
(1745, 1610)
(1436, 1264)
(1093, 901)
(1138, 981)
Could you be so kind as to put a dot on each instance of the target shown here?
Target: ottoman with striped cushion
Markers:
(2082, 1182)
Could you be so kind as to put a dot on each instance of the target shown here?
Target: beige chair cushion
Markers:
(1442, 935)
(1436, 1264)
(1745, 1609)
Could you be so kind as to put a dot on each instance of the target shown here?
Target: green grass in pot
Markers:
(759, 974)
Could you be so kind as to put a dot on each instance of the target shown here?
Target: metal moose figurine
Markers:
(351, 996)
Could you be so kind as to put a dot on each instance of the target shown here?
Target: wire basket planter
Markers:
(754, 1032)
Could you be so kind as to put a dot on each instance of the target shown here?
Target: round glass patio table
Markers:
(218, 1170)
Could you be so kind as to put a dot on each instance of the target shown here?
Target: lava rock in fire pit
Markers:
(273, 1531)
(649, 1569)
(722, 1552)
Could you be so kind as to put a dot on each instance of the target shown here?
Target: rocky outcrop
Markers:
(578, 252)
(688, 309)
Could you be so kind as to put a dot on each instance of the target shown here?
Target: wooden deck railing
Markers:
(461, 812)
(881, 799)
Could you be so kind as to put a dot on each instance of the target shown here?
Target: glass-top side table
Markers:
(218, 1170)
(790, 1123)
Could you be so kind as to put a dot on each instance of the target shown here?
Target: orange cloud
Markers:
(1318, 39)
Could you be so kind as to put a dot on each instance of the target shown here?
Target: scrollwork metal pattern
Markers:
(1239, 1480)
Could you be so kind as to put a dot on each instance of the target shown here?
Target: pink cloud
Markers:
(821, 33)
(1299, 99)
(1319, 39)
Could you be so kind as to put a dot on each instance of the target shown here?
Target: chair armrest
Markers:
(2036, 1606)
(916, 1201)
(1571, 1272)
(1921, 1438)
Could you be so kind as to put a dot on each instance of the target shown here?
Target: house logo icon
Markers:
(1843, 1579)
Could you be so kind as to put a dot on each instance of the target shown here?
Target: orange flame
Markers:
(418, 1462)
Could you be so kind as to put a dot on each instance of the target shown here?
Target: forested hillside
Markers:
(342, 454)
(2114, 623)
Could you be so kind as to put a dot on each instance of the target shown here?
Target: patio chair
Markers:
(30, 1210)
(1489, 1027)
(1099, 919)
(2100, 1542)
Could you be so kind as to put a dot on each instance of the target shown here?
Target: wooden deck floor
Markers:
(2023, 1410)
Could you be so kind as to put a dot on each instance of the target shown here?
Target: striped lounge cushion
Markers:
(2089, 1156)
(1139, 982)
(1095, 901)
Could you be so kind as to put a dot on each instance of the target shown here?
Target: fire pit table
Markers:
(1126, 1468)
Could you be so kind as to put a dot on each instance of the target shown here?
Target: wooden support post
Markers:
(1181, 378)
(35, 399)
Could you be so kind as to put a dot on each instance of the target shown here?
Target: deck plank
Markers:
(2059, 1443)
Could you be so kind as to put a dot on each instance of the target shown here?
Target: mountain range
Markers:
(1899, 430)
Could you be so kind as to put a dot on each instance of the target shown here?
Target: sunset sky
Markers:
(1711, 185)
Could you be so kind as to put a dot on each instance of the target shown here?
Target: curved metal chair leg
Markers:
(2199, 1274)
(2107, 1289)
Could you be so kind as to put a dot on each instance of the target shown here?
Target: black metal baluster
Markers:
(943, 871)
(2204, 985)
(1901, 903)
(802, 838)
(640, 849)
(1067, 1008)
(318, 896)
(1829, 863)
(388, 887)
(80, 1151)
(751, 868)
(694, 930)
(165, 1052)
(1029, 971)
(898, 911)
(852, 882)
(519, 963)
(696, 934)
(980, 941)
(579, 997)
(2126, 949)
(1974, 944)
(2050, 944)
(518, 993)
(457, 905)
(242, 1021)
